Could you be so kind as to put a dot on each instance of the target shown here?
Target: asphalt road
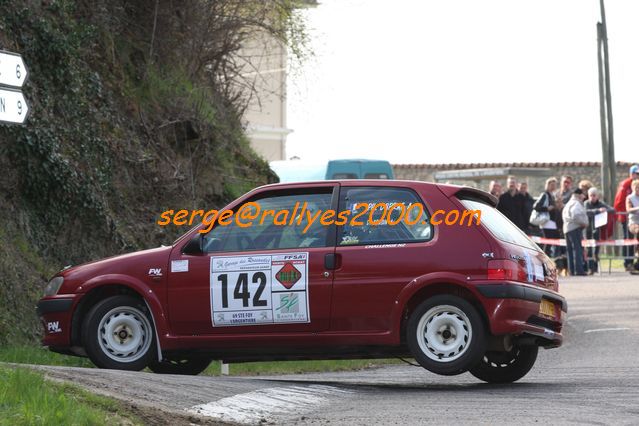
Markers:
(592, 379)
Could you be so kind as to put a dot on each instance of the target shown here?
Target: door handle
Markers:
(332, 261)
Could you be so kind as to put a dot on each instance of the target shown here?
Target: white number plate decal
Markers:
(259, 289)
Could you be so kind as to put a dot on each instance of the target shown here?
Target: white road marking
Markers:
(268, 404)
(595, 330)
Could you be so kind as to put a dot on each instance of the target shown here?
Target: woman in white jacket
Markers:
(575, 220)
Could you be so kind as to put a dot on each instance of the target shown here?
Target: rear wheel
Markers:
(446, 335)
(188, 366)
(118, 334)
(506, 367)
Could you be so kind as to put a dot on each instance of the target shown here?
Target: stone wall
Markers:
(578, 170)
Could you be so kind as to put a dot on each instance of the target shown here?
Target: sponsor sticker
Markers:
(54, 327)
(179, 266)
(155, 272)
(259, 289)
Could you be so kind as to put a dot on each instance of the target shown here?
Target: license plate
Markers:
(547, 308)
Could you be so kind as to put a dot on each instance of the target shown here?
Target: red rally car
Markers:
(457, 298)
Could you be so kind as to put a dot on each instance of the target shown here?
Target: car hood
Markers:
(135, 264)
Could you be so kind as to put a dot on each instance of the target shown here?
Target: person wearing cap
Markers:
(593, 207)
(620, 206)
(575, 220)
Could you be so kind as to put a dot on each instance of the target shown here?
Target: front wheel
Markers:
(446, 335)
(188, 366)
(118, 334)
(506, 367)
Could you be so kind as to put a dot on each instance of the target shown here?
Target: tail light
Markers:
(510, 270)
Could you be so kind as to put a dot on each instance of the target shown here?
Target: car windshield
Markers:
(499, 225)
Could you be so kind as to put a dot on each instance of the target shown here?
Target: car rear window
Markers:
(499, 225)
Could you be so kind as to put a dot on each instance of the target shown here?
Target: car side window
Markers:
(278, 222)
(392, 215)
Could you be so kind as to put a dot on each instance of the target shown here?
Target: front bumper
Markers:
(52, 306)
(56, 313)
(515, 309)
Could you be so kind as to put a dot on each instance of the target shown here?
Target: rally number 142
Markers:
(241, 291)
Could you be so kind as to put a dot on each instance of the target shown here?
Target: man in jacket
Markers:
(575, 220)
(529, 201)
(513, 204)
(620, 206)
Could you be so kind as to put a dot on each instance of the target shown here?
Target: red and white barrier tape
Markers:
(585, 243)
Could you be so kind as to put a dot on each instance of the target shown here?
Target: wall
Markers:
(578, 170)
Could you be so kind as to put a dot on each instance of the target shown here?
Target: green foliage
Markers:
(27, 399)
(120, 129)
(61, 157)
(28, 354)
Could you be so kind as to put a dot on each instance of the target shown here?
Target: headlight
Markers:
(54, 285)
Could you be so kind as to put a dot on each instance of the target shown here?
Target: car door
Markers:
(268, 277)
(376, 261)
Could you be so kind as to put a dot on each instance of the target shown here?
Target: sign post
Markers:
(13, 74)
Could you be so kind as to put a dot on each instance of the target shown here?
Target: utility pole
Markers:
(605, 177)
(608, 164)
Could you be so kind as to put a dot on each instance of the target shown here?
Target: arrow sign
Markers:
(13, 71)
(13, 107)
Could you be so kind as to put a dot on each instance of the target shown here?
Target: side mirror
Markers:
(194, 246)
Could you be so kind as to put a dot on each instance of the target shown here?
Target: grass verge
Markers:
(24, 354)
(26, 398)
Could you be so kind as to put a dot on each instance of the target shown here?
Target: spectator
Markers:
(575, 220)
(528, 204)
(512, 204)
(585, 185)
(620, 206)
(546, 203)
(495, 188)
(632, 207)
(563, 196)
(593, 207)
(566, 189)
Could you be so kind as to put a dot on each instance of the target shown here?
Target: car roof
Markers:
(448, 189)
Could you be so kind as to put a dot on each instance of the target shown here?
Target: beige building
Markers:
(265, 116)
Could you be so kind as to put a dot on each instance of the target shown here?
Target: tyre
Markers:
(118, 334)
(505, 367)
(188, 366)
(446, 335)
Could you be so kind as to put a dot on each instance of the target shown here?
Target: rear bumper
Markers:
(523, 292)
(515, 309)
(55, 315)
